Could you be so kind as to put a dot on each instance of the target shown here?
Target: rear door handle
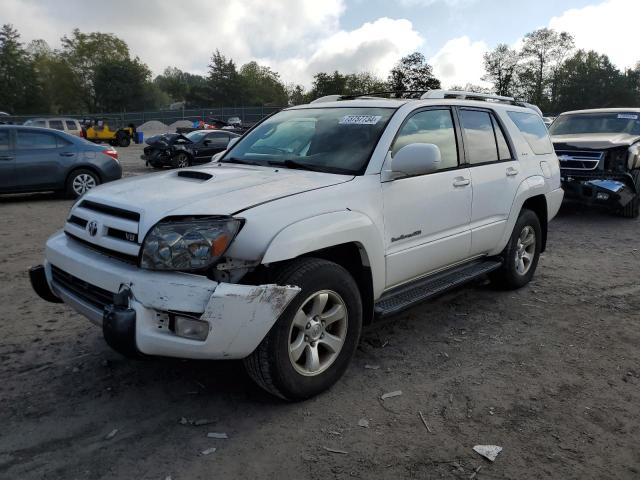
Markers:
(67, 154)
(6, 157)
(461, 182)
(511, 171)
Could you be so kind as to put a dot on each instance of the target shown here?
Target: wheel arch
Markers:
(538, 205)
(75, 168)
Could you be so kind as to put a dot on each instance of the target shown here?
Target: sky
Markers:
(299, 38)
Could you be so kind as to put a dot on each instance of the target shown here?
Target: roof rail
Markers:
(462, 95)
(327, 98)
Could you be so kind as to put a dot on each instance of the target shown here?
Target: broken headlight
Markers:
(633, 161)
(190, 244)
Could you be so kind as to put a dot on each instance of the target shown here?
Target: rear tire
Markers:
(81, 181)
(123, 140)
(632, 209)
(521, 255)
(310, 346)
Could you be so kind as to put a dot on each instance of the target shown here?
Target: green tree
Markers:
(83, 53)
(501, 67)
(413, 73)
(327, 84)
(543, 53)
(224, 81)
(364, 82)
(262, 86)
(120, 84)
(19, 89)
(295, 94)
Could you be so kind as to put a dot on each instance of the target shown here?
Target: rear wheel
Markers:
(123, 139)
(81, 181)
(632, 209)
(520, 256)
(310, 346)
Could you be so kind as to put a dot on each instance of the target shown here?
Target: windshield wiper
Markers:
(240, 161)
(313, 168)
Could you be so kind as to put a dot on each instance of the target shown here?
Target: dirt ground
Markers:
(551, 373)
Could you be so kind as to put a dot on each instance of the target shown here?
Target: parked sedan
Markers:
(36, 159)
(177, 150)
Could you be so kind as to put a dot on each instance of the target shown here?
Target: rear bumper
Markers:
(238, 316)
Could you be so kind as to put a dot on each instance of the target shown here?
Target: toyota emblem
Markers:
(92, 228)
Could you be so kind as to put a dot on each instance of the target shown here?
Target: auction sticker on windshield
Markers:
(627, 116)
(360, 119)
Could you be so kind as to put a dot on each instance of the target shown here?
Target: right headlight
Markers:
(190, 244)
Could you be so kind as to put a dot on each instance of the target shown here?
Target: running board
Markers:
(406, 296)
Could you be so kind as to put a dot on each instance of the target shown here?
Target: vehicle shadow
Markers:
(33, 197)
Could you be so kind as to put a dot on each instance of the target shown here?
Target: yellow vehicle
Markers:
(100, 131)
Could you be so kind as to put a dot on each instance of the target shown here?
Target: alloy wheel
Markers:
(82, 183)
(525, 250)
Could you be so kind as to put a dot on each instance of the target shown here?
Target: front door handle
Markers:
(512, 171)
(461, 182)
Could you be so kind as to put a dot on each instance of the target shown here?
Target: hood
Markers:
(595, 141)
(215, 189)
(165, 139)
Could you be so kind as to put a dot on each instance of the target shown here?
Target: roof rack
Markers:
(429, 95)
(463, 95)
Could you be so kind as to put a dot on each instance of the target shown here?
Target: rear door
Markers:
(41, 159)
(495, 175)
(7, 160)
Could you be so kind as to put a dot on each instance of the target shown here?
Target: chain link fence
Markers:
(248, 115)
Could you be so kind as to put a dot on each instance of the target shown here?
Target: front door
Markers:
(427, 217)
(39, 159)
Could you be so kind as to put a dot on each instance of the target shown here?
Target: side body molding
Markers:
(328, 230)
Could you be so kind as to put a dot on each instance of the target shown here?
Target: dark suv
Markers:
(599, 153)
(36, 159)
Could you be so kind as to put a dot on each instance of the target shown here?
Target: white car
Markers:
(318, 220)
(69, 125)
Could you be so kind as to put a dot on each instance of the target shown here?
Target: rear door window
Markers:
(56, 124)
(533, 130)
(35, 140)
(217, 139)
(4, 140)
(479, 137)
(71, 125)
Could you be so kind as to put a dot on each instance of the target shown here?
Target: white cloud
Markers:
(296, 37)
(460, 62)
(610, 27)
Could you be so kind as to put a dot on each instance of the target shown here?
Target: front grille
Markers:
(109, 210)
(81, 222)
(579, 159)
(131, 259)
(95, 296)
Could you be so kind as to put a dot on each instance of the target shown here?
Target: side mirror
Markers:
(413, 159)
(232, 142)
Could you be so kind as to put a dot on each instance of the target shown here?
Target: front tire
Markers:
(181, 160)
(521, 255)
(123, 140)
(311, 344)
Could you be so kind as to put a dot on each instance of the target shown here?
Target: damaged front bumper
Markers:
(613, 192)
(141, 308)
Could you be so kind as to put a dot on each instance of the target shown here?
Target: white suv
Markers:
(318, 220)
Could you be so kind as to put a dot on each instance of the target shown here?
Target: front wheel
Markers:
(123, 140)
(310, 346)
(520, 256)
(181, 160)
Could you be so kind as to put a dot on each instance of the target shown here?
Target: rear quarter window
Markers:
(533, 130)
(71, 125)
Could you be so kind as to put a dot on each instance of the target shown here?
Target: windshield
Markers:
(596, 123)
(196, 136)
(334, 140)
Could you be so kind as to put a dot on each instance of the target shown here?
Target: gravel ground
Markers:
(551, 373)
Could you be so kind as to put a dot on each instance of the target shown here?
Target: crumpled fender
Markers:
(328, 230)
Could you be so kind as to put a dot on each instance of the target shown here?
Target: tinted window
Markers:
(36, 123)
(431, 126)
(480, 142)
(71, 125)
(573, 124)
(36, 140)
(217, 139)
(4, 140)
(533, 131)
(503, 147)
(57, 124)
